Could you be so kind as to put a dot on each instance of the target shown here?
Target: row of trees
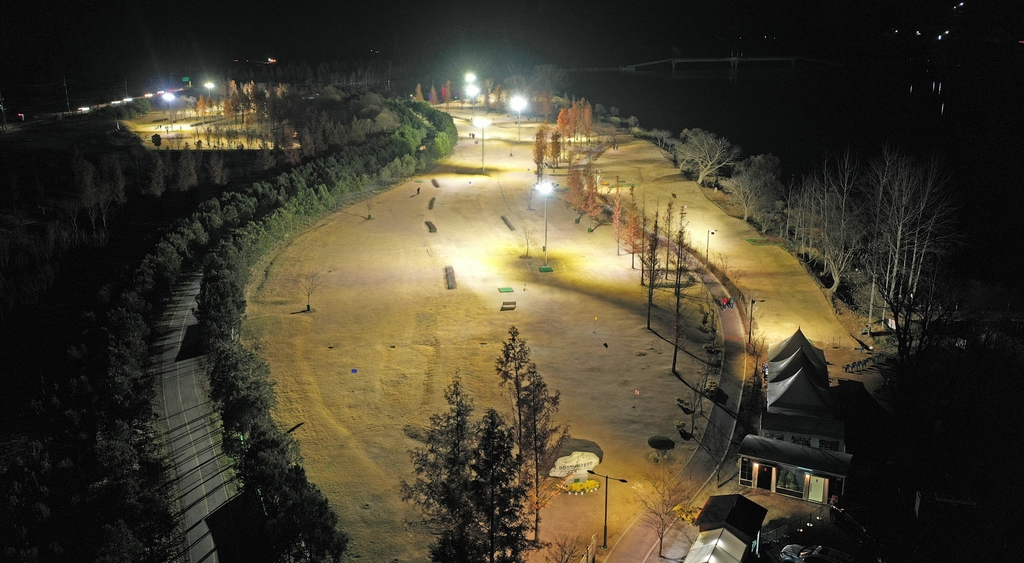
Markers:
(891, 215)
(478, 484)
(96, 484)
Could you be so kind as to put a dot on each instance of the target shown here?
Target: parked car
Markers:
(794, 553)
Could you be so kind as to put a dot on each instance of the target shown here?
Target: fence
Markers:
(776, 534)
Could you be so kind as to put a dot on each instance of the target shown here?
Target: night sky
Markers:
(109, 46)
(116, 39)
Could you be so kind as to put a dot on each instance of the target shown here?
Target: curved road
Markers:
(193, 428)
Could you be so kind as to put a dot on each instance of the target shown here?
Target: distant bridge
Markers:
(733, 61)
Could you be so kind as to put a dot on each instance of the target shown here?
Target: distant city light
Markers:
(147, 95)
(83, 109)
(126, 100)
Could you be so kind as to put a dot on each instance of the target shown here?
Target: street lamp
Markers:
(470, 78)
(707, 248)
(518, 103)
(169, 97)
(481, 122)
(545, 189)
(472, 90)
(750, 329)
(605, 546)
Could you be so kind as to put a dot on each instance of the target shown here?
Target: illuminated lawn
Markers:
(367, 367)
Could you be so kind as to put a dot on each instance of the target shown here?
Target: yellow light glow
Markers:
(481, 122)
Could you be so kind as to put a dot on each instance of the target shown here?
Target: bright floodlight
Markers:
(481, 122)
(518, 103)
(168, 97)
(472, 89)
(209, 85)
(544, 188)
(470, 77)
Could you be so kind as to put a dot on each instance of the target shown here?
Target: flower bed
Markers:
(579, 488)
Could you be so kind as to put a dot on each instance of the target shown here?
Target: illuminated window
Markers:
(790, 482)
(746, 471)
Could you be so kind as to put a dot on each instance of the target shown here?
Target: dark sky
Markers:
(116, 39)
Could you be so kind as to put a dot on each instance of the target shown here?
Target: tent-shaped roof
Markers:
(814, 459)
(794, 343)
(740, 515)
(787, 367)
(716, 546)
(808, 425)
(799, 395)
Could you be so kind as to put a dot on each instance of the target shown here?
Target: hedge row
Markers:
(244, 227)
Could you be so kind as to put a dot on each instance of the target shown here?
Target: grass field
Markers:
(367, 366)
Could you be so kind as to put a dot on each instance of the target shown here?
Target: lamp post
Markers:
(707, 248)
(169, 97)
(518, 103)
(472, 90)
(545, 189)
(481, 122)
(605, 546)
(750, 329)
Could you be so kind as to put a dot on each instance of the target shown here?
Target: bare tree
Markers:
(840, 224)
(370, 204)
(660, 493)
(309, 283)
(679, 324)
(650, 263)
(528, 235)
(756, 181)
(705, 153)
(913, 234)
(660, 136)
(566, 549)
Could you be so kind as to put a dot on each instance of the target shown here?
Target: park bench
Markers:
(508, 305)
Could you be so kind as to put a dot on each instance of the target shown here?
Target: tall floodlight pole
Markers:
(518, 104)
(707, 248)
(545, 189)
(481, 122)
(750, 329)
(605, 545)
(169, 98)
(472, 90)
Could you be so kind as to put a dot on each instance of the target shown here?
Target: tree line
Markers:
(479, 483)
(92, 482)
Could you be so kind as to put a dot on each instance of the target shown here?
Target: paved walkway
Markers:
(193, 426)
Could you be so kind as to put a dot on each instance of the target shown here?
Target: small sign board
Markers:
(184, 79)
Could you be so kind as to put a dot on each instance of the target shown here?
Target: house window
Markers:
(746, 472)
(773, 436)
(832, 445)
(790, 482)
(801, 441)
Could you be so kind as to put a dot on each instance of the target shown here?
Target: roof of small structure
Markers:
(739, 514)
(799, 395)
(798, 341)
(813, 459)
(716, 546)
(799, 424)
(787, 367)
